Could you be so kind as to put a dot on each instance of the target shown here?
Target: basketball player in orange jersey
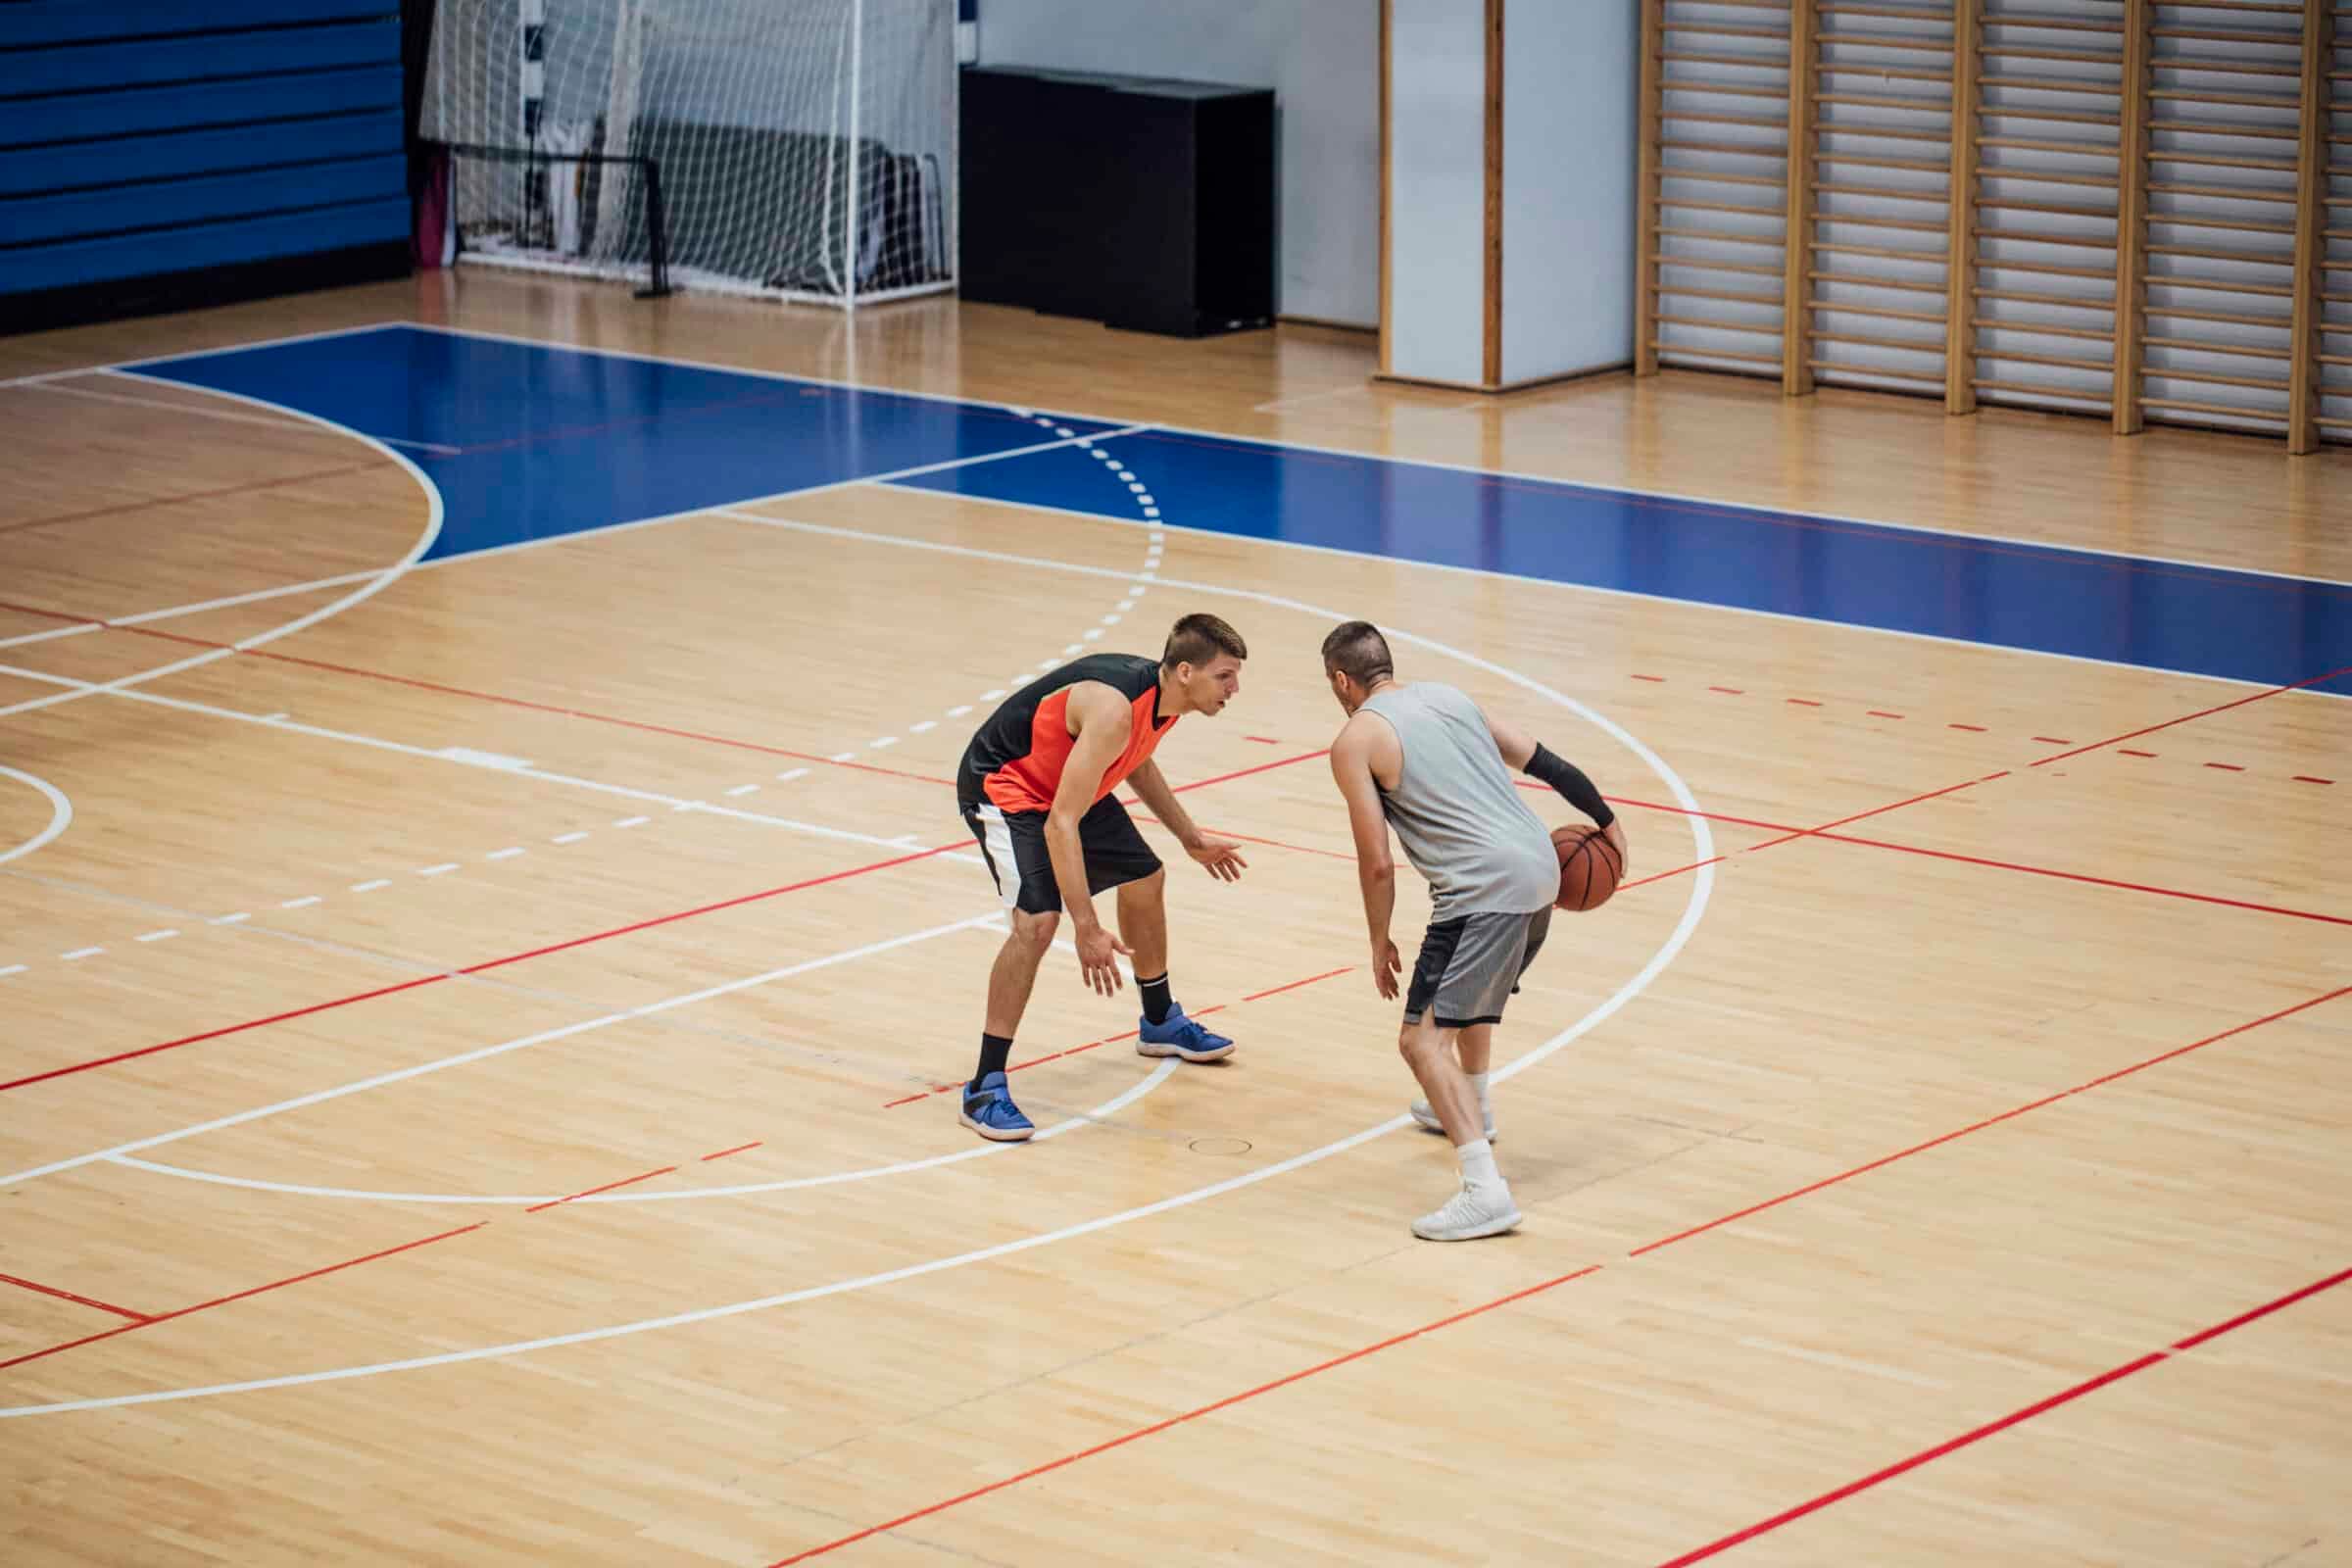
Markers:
(1036, 787)
(1422, 759)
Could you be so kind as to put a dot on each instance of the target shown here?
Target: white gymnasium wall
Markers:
(1321, 58)
(1438, 169)
(1570, 122)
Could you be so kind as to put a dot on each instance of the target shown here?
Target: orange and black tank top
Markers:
(1016, 758)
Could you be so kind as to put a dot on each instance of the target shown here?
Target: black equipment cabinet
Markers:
(1144, 204)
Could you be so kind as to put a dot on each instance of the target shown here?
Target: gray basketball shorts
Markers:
(1471, 965)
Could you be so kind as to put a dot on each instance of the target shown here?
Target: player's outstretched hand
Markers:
(1095, 961)
(1222, 859)
(1387, 964)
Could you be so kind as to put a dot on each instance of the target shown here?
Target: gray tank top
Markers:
(1462, 823)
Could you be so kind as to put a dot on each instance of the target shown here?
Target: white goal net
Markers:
(798, 149)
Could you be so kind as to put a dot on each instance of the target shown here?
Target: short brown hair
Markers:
(1198, 638)
(1357, 650)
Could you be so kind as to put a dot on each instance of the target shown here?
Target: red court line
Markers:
(68, 1295)
(737, 1150)
(1697, 1230)
(1277, 991)
(625, 1181)
(2306, 778)
(1989, 1121)
(223, 1301)
(559, 947)
(2114, 1374)
(2184, 718)
(478, 969)
(193, 495)
(1126, 1034)
(1195, 1414)
(2084, 877)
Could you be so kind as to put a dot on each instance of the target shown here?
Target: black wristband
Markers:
(1571, 783)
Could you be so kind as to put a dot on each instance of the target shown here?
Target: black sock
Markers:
(994, 1049)
(1156, 999)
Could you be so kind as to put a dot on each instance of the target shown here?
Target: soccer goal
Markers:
(792, 149)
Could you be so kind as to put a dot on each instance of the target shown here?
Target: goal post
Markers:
(792, 149)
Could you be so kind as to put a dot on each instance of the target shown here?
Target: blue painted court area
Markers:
(530, 442)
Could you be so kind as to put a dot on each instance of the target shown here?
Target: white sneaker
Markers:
(1472, 1213)
(1427, 1118)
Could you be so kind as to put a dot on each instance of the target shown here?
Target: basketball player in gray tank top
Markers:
(1423, 761)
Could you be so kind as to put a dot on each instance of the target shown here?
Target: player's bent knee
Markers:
(1035, 932)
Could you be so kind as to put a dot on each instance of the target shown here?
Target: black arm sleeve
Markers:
(1572, 784)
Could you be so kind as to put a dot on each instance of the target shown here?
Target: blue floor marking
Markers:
(555, 441)
(560, 441)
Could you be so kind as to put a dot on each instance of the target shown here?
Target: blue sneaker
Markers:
(990, 1111)
(1178, 1036)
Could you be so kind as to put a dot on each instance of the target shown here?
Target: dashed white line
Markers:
(158, 936)
(504, 854)
(744, 789)
(633, 822)
(959, 713)
(229, 919)
(301, 903)
(14, 968)
(443, 869)
(80, 954)
(567, 838)
(918, 730)
(371, 887)
(798, 773)
(885, 741)
(842, 757)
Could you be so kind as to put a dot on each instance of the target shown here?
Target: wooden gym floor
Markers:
(476, 979)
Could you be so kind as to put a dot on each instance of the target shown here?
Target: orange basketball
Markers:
(1588, 868)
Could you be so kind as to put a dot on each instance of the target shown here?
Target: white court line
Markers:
(402, 748)
(321, 1096)
(82, 629)
(176, 355)
(377, 581)
(1109, 1108)
(1278, 444)
(61, 814)
(1701, 889)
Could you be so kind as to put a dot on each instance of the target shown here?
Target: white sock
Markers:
(1477, 1084)
(1477, 1164)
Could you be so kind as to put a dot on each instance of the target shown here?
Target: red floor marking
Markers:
(223, 1301)
(479, 968)
(1534, 1290)
(2016, 1417)
(2081, 876)
(2129, 751)
(2306, 778)
(1728, 690)
(1196, 1414)
(1989, 1121)
(1881, 712)
(1296, 984)
(1802, 701)
(1658, 681)
(2226, 767)
(1127, 1034)
(2202, 712)
(277, 658)
(1973, 729)
(193, 495)
(626, 1181)
(737, 1150)
(1262, 740)
(68, 1295)
(2053, 739)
